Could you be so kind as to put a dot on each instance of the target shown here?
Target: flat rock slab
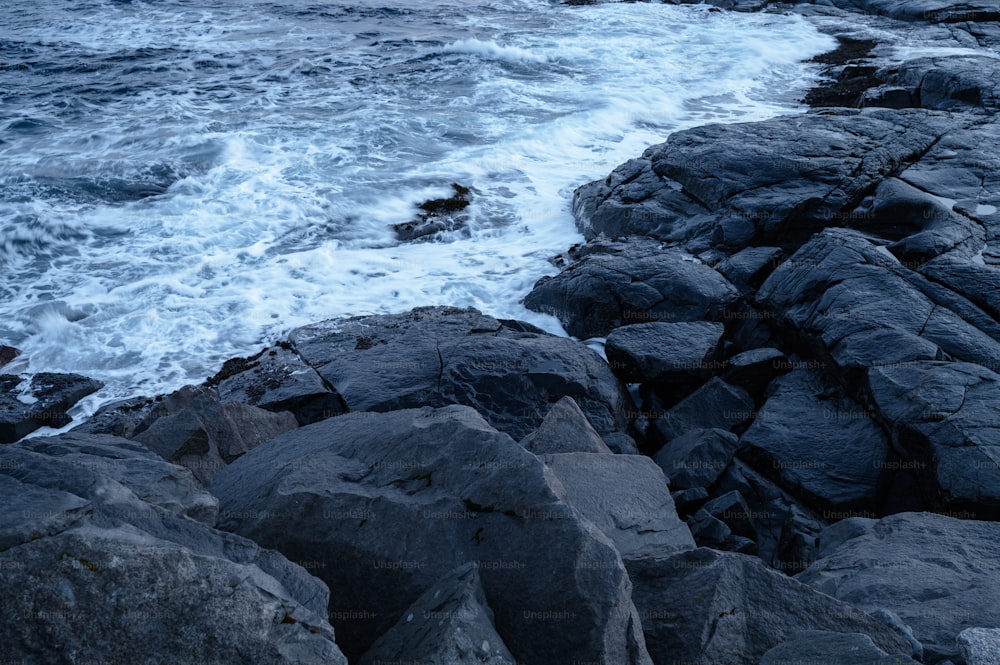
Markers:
(44, 401)
(637, 282)
(706, 607)
(938, 573)
(435, 356)
(102, 518)
(818, 647)
(817, 444)
(386, 504)
(667, 354)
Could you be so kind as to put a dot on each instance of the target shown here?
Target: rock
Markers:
(635, 282)
(705, 607)
(625, 496)
(779, 181)
(450, 623)
(945, 420)
(748, 268)
(388, 503)
(119, 418)
(980, 646)
(936, 11)
(952, 83)
(817, 444)
(437, 216)
(819, 647)
(44, 401)
(565, 430)
(892, 620)
(715, 405)
(621, 443)
(754, 370)
(277, 380)
(697, 458)
(937, 573)
(193, 428)
(8, 353)
(675, 356)
(435, 356)
(980, 284)
(100, 561)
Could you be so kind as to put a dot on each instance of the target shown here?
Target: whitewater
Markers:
(184, 181)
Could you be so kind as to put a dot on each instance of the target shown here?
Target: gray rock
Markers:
(435, 356)
(817, 444)
(195, 429)
(817, 647)
(892, 620)
(625, 496)
(945, 417)
(388, 503)
(754, 370)
(935, 11)
(637, 282)
(99, 560)
(748, 268)
(697, 458)
(565, 430)
(938, 574)
(706, 607)
(277, 380)
(714, 405)
(980, 646)
(676, 356)
(41, 401)
(450, 623)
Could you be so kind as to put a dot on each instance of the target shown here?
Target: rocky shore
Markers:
(780, 443)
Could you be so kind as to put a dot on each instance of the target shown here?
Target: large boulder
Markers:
(450, 623)
(937, 573)
(43, 400)
(435, 356)
(714, 405)
(100, 562)
(676, 356)
(980, 646)
(705, 607)
(817, 443)
(945, 420)
(635, 282)
(565, 430)
(697, 458)
(388, 503)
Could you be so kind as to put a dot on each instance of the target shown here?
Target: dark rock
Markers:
(892, 620)
(689, 500)
(709, 531)
(732, 509)
(697, 458)
(673, 356)
(44, 402)
(621, 443)
(945, 421)
(748, 268)
(8, 353)
(436, 356)
(565, 430)
(937, 573)
(388, 503)
(783, 179)
(818, 647)
(638, 282)
(119, 418)
(817, 444)
(934, 11)
(848, 74)
(980, 284)
(754, 370)
(277, 380)
(955, 82)
(450, 623)
(714, 405)
(98, 560)
(193, 428)
(980, 646)
(625, 496)
(705, 607)
(436, 216)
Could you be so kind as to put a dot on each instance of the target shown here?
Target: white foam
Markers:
(490, 49)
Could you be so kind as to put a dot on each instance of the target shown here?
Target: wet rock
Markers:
(450, 623)
(388, 503)
(635, 282)
(436, 216)
(817, 444)
(435, 356)
(697, 458)
(43, 400)
(818, 647)
(955, 82)
(748, 268)
(714, 405)
(194, 428)
(8, 353)
(943, 11)
(625, 496)
(102, 518)
(937, 573)
(754, 370)
(565, 429)
(674, 356)
(703, 606)
(277, 380)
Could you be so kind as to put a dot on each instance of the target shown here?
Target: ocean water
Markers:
(183, 181)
